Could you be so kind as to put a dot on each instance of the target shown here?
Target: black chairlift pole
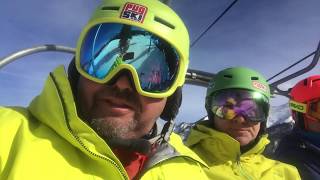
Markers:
(314, 62)
(289, 67)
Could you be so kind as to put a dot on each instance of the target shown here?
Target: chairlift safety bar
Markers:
(193, 77)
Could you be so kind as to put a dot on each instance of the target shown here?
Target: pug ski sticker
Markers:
(134, 12)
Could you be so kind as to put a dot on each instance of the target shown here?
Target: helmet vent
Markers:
(315, 80)
(254, 78)
(227, 76)
(164, 22)
(110, 8)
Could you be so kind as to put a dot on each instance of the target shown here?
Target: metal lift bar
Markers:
(274, 85)
(198, 78)
(25, 52)
(194, 77)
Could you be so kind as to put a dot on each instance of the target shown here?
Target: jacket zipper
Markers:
(77, 138)
(243, 172)
(101, 157)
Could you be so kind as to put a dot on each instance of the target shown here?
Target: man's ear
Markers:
(172, 106)
(73, 76)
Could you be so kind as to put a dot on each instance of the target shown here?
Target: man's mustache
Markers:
(126, 95)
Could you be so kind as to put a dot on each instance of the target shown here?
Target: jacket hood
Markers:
(56, 107)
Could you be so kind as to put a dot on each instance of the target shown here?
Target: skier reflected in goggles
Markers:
(228, 104)
(111, 47)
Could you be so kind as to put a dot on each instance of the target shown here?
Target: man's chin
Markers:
(116, 120)
(243, 140)
(114, 127)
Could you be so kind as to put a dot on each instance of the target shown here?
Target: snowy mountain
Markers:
(279, 114)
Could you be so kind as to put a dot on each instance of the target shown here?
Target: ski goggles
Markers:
(108, 48)
(230, 103)
(311, 109)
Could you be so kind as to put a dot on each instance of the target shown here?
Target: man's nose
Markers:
(123, 82)
(239, 119)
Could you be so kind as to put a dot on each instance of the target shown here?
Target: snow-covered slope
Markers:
(278, 115)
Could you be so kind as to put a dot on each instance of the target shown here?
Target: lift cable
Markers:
(213, 23)
(289, 67)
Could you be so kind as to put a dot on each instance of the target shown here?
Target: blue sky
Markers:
(266, 35)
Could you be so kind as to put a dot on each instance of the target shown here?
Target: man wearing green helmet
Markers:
(232, 140)
(99, 120)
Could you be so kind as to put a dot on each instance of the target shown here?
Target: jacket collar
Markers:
(220, 146)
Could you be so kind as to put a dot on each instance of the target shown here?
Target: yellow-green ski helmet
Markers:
(152, 16)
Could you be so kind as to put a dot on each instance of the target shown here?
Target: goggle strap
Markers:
(299, 107)
(166, 131)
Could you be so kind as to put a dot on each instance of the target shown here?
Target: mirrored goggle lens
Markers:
(228, 104)
(108, 45)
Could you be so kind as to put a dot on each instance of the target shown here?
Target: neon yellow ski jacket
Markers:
(222, 154)
(48, 141)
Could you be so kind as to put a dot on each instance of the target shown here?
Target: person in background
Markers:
(231, 142)
(99, 120)
(301, 147)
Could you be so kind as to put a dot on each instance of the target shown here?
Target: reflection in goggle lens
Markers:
(228, 104)
(108, 45)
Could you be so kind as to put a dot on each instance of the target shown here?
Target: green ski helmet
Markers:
(236, 78)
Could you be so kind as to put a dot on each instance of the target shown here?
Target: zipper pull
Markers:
(238, 159)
